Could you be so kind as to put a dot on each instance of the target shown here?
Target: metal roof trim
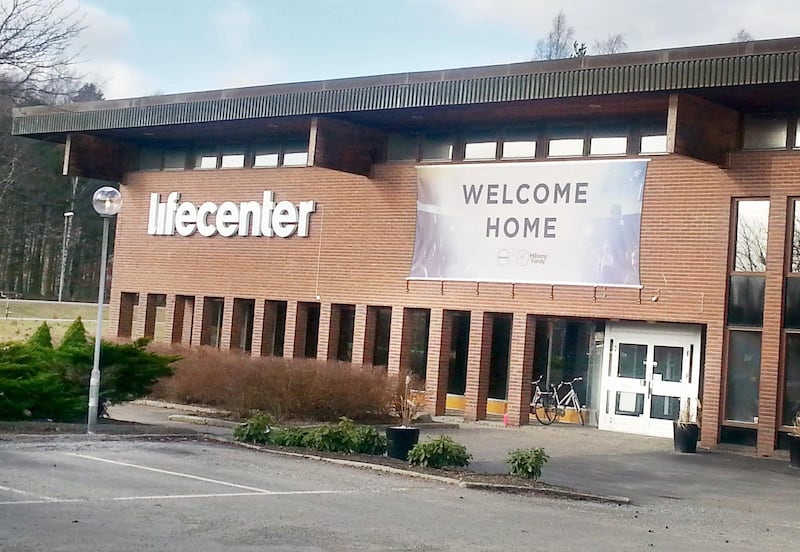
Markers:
(478, 86)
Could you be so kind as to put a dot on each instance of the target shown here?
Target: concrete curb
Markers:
(182, 407)
(201, 420)
(548, 491)
(552, 492)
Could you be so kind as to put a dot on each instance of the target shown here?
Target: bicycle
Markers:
(548, 407)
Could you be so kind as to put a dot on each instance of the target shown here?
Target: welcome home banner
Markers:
(563, 222)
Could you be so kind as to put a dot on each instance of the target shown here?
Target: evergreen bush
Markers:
(39, 382)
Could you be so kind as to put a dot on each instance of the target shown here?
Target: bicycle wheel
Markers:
(545, 409)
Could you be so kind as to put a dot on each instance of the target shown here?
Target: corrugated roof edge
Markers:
(323, 96)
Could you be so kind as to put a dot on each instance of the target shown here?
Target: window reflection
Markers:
(744, 369)
(795, 261)
(791, 384)
(751, 235)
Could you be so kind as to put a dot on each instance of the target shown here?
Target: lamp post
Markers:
(107, 202)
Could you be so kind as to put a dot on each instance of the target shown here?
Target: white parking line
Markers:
(26, 493)
(168, 497)
(168, 472)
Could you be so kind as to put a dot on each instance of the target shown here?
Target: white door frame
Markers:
(637, 392)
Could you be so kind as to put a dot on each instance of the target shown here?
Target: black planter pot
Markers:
(794, 451)
(685, 436)
(400, 440)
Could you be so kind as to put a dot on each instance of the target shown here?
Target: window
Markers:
(295, 159)
(401, 147)
(797, 134)
(206, 159)
(480, 150)
(266, 155)
(519, 149)
(174, 159)
(750, 253)
(295, 154)
(565, 147)
(608, 145)
(746, 309)
(765, 131)
(233, 157)
(653, 144)
(744, 368)
(791, 379)
(265, 160)
(437, 147)
(150, 159)
(791, 322)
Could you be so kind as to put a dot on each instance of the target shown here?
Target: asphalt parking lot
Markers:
(117, 492)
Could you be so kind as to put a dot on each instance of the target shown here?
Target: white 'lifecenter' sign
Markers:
(249, 218)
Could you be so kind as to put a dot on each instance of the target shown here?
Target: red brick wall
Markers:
(362, 239)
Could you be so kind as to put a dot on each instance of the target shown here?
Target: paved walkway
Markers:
(644, 469)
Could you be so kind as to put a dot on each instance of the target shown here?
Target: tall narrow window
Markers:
(746, 309)
(791, 322)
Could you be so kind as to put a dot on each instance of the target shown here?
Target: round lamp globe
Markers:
(107, 201)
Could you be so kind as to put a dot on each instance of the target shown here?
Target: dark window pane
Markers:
(632, 360)
(175, 159)
(765, 131)
(150, 160)
(791, 309)
(383, 330)
(401, 147)
(437, 147)
(744, 368)
(751, 236)
(459, 348)
(420, 320)
(746, 301)
(665, 408)
(791, 380)
(499, 357)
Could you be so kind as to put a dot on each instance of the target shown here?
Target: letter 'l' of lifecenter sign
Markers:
(248, 218)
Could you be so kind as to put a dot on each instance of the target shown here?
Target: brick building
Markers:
(630, 219)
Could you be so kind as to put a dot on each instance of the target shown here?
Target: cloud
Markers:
(101, 48)
(234, 26)
(670, 24)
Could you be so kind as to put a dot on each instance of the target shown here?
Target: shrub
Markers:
(40, 382)
(369, 440)
(439, 452)
(257, 429)
(33, 386)
(344, 436)
(289, 437)
(297, 389)
(527, 462)
(41, 337)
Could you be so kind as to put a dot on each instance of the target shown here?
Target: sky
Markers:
(134, 48)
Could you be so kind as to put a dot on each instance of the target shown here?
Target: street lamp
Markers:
(107, 202)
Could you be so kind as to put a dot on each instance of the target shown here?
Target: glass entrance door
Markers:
(649, 370)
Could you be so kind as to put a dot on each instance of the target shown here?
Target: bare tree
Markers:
(613, 44)
(35, 36)
(742, 36)
(559, 41)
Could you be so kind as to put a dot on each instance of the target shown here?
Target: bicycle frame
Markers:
(555, 406)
